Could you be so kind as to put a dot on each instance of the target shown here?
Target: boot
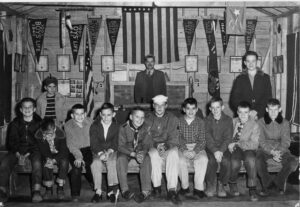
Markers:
(48, 193)
(60, 193)
(221, 190)
(211, 189)
(252, 193)
(234, 189)
(36, 196)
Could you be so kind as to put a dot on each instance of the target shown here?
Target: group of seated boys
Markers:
(154, 140)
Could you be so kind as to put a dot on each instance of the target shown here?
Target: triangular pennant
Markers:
(75, 39)
(224, 36)
(94, 24)
(250, 30)
(37, 29)
(113, 26)
(189, 26)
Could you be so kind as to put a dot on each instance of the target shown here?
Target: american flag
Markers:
(88, 80)
(149, 30)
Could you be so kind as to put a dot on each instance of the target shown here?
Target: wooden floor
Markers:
(22, 197)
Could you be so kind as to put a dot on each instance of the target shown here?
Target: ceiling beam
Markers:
(265, 12)
(10, 12)
(289, 13)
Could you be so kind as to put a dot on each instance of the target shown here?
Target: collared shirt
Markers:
(105, 128)
(192, 133)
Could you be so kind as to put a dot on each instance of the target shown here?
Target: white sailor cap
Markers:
(159, 99)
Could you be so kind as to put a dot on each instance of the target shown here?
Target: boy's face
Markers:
(273, 111)
(107, 115)
(27, 109)
(250, 62)
(216, 109)
(149, 63)
(243, 114)
(190, 111)
(137, 118)
(78, 115)
(160, 108)
(51, 89)
(49, 134)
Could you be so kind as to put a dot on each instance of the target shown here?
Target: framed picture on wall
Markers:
(219, 63)
(191, 63)
(63, 86)
(235, 64)
(107, 63)
(81, 63)
(76, 88)
(24, 63)
(43, 64)
(63, 63)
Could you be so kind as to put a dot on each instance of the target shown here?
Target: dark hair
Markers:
(28, 99)
(273, 102)
(47, 124)
(244, 104)
(248, 53)
(77, 106)
(191, 101)
(216, 99)
(107, 106)
(149, 56)
(135, 109)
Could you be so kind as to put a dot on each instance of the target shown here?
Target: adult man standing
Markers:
(149, 83)
(164, 131)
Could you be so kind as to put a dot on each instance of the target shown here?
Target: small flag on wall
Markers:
(235, 20)
(149, 30)
(94, 24)
(250, 30)
(189, 26)
(113, 26)
(75, 35)
(88, 80)
(37, 29)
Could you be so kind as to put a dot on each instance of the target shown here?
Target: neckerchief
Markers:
(136, 131)
(237, 135)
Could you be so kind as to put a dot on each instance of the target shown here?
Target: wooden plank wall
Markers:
(175, 70)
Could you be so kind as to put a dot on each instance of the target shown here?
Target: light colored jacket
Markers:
(249, 134)
(60, 110)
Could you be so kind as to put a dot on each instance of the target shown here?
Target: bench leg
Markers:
(12, 183)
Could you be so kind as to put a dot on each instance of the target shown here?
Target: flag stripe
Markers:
(138, 36)
(124, 37)
(133, 36)
(151, 29)
(146, 34)
(175, 34)
(168, 40)
(164, 34)
(160, 37)
(129, 45)
(172, 36)
(142, 37)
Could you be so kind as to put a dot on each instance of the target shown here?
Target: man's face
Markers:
(216, 109)
(137, 118)
(190, 111)
(51, 89)
(149, 63)
(107, 115)
(243, 114)
(250, 62)
(273, 111)
(27, 109)
(160, 108)
(78, 115)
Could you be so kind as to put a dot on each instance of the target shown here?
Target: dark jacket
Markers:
(145, 87)
(20, 135)
(98, 143)
(59, 143)
(126, 137)
(257, 97)
(218, 134)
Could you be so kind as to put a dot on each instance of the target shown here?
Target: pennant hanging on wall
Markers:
(94, 24)
(37, 29)
(113, 26)
(213, 76)
(250, 30)
(224, 36)
(189, 26)
(75, 39)
(235, 20)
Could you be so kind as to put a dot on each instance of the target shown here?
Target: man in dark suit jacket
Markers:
(149, 83)
(253, 86)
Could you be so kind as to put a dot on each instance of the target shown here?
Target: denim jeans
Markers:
(289, 164)
(76, 172)
(145, 172)
(63, 167)
(212, 167)
(248, 156)
(10, 160)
